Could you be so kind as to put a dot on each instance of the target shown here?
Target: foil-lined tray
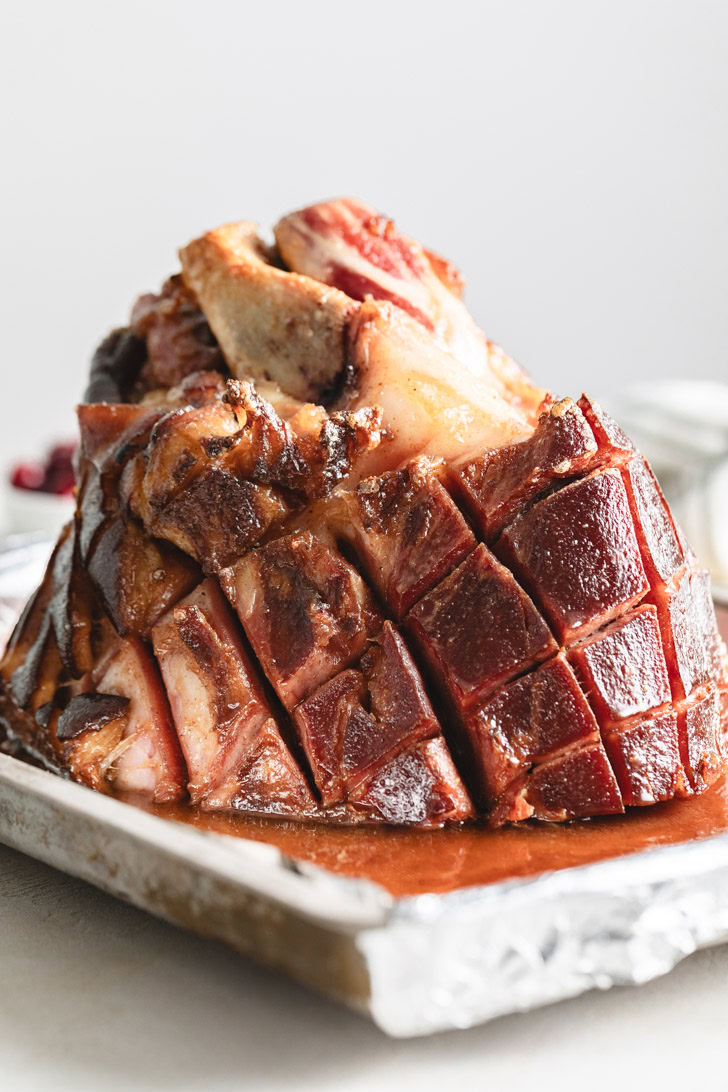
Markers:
(416, 964)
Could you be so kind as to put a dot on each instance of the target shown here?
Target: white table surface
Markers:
(98, 995)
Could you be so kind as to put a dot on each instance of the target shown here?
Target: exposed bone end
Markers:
(410, 347)
(350, 246)
(295, 232)
(270, 324)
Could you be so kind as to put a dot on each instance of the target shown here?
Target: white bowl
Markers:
(28, 510)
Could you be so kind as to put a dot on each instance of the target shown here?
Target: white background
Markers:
(571, 158)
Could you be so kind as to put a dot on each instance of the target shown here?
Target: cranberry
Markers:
(61, 453)
(59, 480)
(59, 476)
(27, 476)
(54, 476)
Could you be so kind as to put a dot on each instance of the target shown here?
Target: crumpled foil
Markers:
(23, 559)
(415, 965)
(451, 961)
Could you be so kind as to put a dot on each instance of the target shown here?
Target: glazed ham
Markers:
(335, 558)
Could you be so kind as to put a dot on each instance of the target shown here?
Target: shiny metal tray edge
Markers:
(415, 965)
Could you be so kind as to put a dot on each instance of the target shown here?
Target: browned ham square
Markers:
(335, 558)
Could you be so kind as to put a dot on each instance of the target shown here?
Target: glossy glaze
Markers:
(409, 862)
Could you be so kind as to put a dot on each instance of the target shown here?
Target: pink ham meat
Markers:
(348, 244)
(352, 247)
(129, 746)
(216, 698)
(432, 594)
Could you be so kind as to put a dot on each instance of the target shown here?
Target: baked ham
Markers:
(336, 558)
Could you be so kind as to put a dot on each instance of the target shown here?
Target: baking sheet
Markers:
(415, 965)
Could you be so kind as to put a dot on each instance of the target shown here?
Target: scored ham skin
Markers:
(430, 594)
(361, 718)
(125, 557)
(498, 485)
(574, 785)
(686, 617)
(662, 553)
(645, 756)
(419, 787)
(477, 629)
(305, 610)
(622, 667)
(406, 531)
(350, 246)
(699, 732)
(136, 577)
(577, 552)
(527, 721)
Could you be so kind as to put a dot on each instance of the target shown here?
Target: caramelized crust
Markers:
(477, 629)
(306, 612)
(217, 477)
(498, 485)
(362, 718)
(407, 533)
(577, 552)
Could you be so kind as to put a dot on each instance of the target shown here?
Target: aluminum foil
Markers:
(415, 965)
